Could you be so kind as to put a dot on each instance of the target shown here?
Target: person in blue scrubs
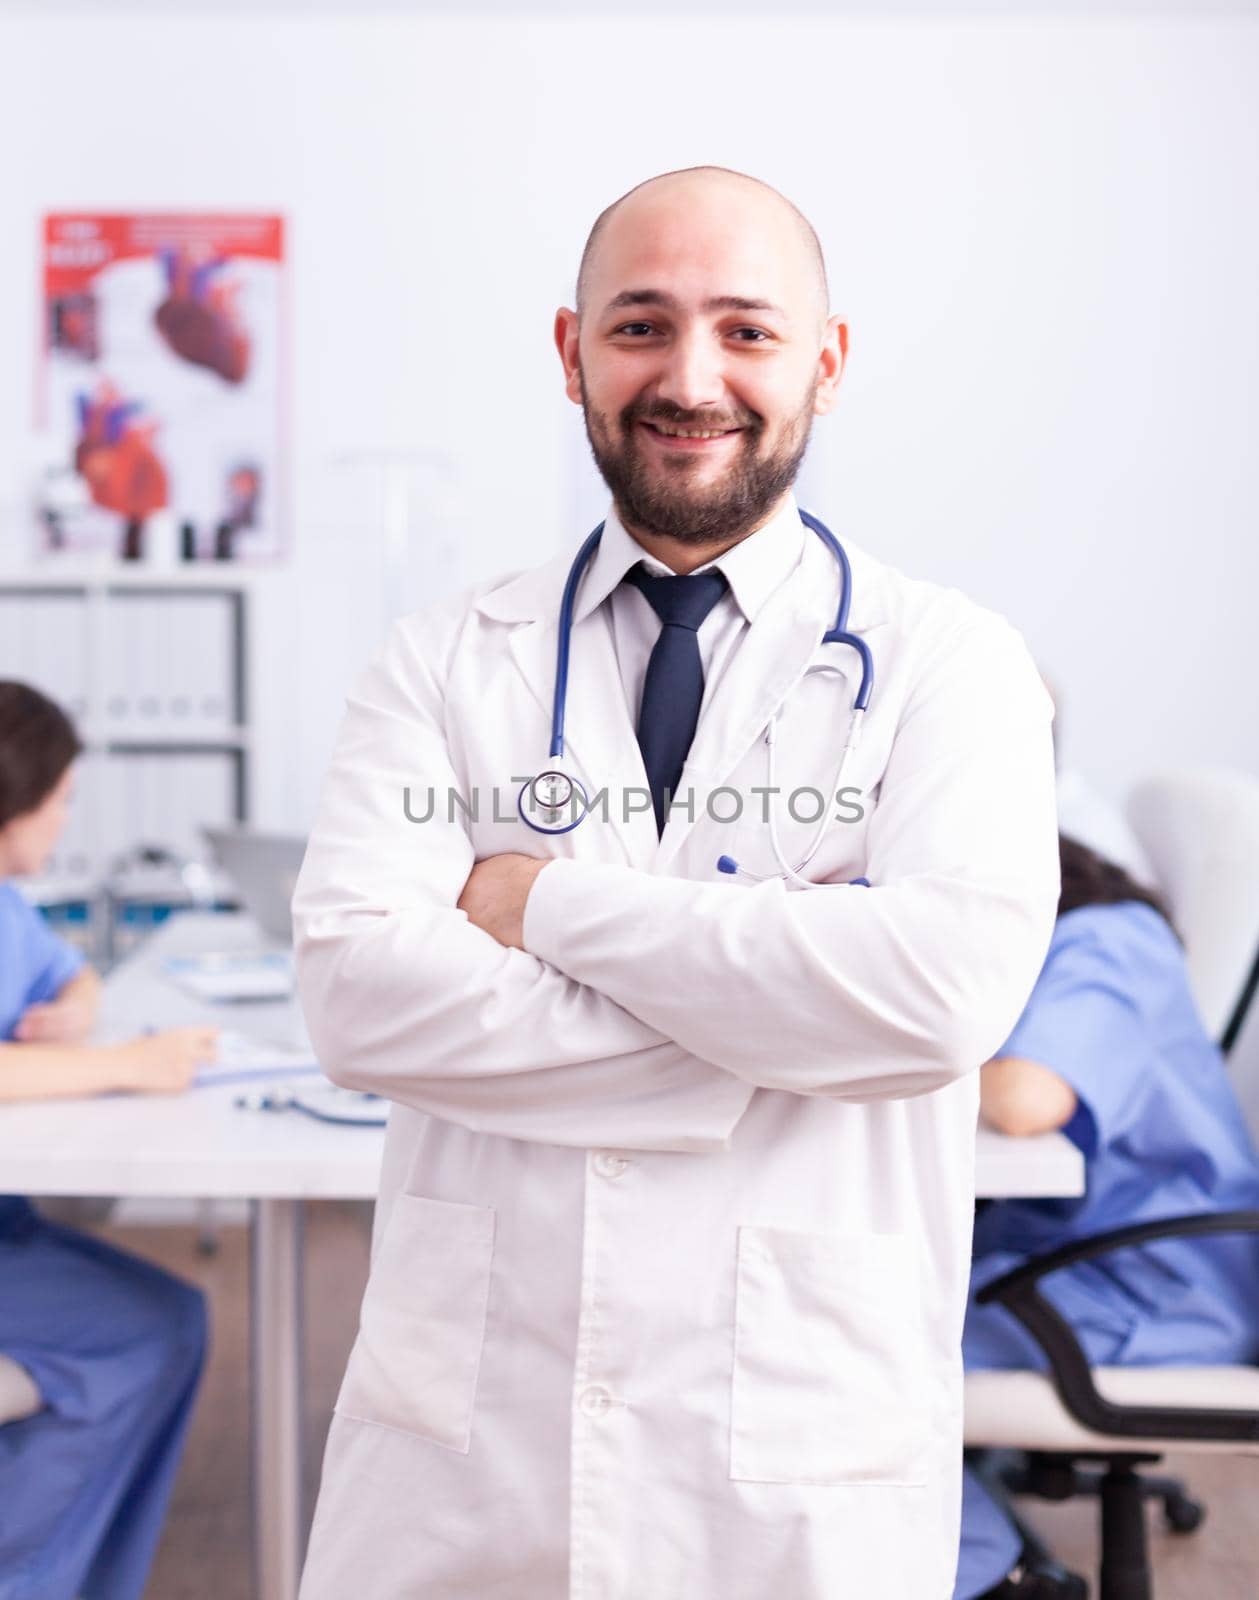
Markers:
(115, 1346)
(1111, 1050)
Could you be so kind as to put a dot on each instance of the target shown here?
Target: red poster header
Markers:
(77, 245)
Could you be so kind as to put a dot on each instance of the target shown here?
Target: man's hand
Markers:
(494, 896)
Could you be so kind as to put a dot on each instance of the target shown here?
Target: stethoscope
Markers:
(555, 802)
(327, 1103)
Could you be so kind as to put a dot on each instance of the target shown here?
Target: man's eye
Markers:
(637, 330)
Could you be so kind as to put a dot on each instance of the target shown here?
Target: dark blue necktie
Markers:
(674, 685)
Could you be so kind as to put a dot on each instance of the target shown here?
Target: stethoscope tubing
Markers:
(837, 634)
(560, 701)
(287, 1100)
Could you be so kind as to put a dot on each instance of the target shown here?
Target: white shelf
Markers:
(140, 738)
(75, 579)
(59, 889)
(152, 665)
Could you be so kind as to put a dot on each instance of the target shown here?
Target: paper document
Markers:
(234, 975)
(241, 1058)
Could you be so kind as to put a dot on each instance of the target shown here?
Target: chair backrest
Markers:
(1200, 830)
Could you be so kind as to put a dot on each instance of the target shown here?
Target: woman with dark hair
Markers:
(110, 1348)
(1110, 1049)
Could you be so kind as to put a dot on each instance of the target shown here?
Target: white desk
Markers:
(1047, 1166)
(200, 1145)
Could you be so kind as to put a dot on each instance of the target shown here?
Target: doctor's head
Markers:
(38, 746)
(701, 306)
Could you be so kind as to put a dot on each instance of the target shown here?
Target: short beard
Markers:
(664, 506)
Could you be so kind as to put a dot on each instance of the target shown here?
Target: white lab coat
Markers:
(671, 1251)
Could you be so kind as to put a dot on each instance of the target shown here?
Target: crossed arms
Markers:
(585, 1003)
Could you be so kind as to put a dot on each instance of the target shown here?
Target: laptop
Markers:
(263, 868)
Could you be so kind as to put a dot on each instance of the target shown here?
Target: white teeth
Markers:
(688, 433)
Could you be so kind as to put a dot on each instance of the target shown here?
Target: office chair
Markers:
(1200, 831)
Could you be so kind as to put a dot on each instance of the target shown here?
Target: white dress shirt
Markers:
(753, 569)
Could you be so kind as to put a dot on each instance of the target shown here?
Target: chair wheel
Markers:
(1182, 1514)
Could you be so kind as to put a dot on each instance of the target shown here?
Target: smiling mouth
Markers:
(683, 438)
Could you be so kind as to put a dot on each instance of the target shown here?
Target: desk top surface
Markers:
(203, 1144)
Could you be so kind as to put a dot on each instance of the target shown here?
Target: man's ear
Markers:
(566, 342)
(831, 363)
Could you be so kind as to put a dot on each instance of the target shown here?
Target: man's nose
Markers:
(692, 375)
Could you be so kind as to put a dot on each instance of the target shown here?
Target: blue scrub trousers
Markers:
(116, 1347)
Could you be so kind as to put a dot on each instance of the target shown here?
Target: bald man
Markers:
(671, 1253)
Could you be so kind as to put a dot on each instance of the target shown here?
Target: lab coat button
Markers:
(595, 1401)
(610, 1166)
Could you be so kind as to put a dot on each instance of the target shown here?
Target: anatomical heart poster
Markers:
(160, 385)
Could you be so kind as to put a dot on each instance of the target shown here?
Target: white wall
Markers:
(1043, 233)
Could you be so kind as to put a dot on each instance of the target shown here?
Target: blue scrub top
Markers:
(1157, 1122)
(35, 965)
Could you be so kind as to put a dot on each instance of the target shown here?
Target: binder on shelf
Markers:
(175, 665)
(43, 644)
(202, 666)
(165, 798)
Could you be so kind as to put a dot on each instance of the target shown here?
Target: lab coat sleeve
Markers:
(404, 997)
(857, 993)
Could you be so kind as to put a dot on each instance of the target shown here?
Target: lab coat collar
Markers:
(753, 568)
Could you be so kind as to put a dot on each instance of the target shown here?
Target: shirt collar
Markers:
(753, 568)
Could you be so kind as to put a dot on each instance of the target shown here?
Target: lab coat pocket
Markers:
(415, 1362)
(828, 1382)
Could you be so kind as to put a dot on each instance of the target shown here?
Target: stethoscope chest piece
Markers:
(552, 802)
